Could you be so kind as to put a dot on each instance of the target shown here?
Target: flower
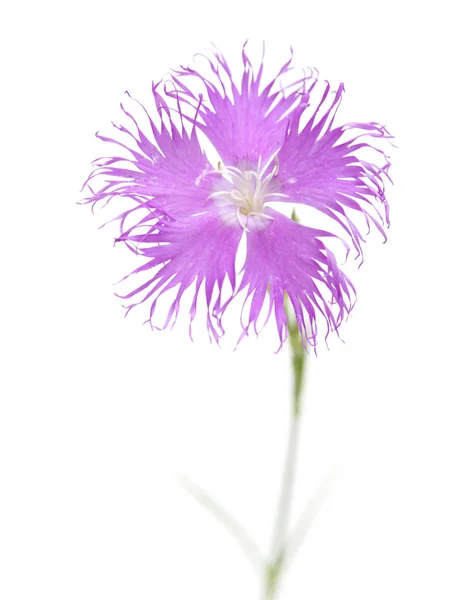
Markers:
(190, 215)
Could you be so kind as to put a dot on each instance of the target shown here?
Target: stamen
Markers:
(278, 194)
(218, 194)
(239, 218)
(263, 215)
(248, 190)
(237, 195)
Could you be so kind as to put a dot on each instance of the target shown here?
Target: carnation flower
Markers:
(190, 213)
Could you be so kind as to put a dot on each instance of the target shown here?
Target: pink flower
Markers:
(190, 215)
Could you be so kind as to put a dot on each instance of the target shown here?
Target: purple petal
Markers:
(250, 122)
(166, 171)
(323, 167)
(289, 258)
(181, 254)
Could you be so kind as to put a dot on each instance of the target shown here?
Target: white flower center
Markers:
(242, 193)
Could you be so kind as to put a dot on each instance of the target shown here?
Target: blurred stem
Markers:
(280, 534)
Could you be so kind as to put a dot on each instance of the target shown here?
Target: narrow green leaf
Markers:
(250, 548)
(306, 519)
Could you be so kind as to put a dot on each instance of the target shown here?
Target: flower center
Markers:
(241, 194)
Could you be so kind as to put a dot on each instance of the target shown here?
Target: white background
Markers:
(98, 415)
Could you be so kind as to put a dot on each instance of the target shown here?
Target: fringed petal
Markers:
(324, 168)
(287, 258)
(246, 121)
(166, 170)
(190, 252)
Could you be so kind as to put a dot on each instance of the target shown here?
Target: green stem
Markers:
(279, 540)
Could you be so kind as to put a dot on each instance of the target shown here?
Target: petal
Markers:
(243, 122)
(289, 258)
(166, 170)
(319, 168)
(181, 254)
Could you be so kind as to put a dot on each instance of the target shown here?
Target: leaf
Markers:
(250, 548)
(304, 523)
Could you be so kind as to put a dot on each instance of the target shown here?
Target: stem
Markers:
(279, 538)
